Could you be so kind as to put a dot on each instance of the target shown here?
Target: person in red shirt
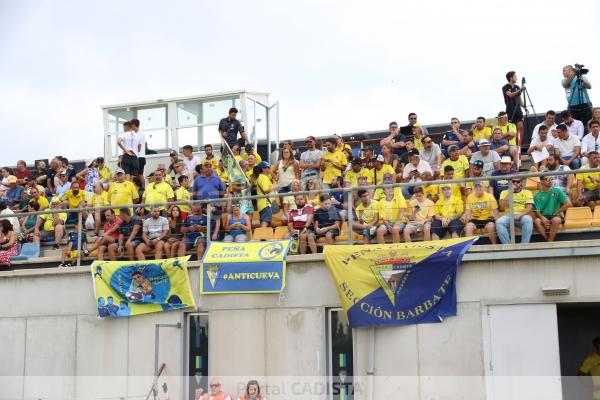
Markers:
(110, 236)
(21, 172)
(299, 219)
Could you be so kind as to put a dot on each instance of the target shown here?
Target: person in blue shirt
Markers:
(207, 185)
(576, 85)
(194, 231)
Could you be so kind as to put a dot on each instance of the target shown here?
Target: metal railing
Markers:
(349, 191)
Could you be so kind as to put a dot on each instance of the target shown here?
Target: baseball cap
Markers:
(263, 164)
(310, 137)
(12, 179)
(356, 161)
(380, 158)
(150, 175)
(484, 142)
(173, 153)
(100, 159)
(119, 170)
(452, 147)
(502, 114)
(55, 199)
(506, 159)
(478, 163)
(413, 152)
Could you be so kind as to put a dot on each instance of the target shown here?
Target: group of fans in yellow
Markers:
(407, 154)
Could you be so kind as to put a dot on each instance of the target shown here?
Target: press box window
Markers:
(340, 366)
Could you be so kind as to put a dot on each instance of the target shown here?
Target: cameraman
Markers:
(513, 100)
(576, 85)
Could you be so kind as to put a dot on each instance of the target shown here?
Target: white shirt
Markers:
(590, 143)
(576, 128)
(566, 147)
(535, 133)
(422, 167)
(131, 140)
(538, 142)
(142, 137)
(4, 214)
(190, 165)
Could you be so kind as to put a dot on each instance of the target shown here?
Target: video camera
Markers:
(580, 70)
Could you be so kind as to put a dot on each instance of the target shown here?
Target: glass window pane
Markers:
(152, 117)
(187, 136)
(157, 140)
(210, 134)
(249, 121)
(214, 110)
(117, 116)
(189, 113)
(113, 146)
(197, 354)
(261, 122)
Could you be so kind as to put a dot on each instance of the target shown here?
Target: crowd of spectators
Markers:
(408, 154)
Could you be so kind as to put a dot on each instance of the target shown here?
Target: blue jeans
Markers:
(503, 226)
(575, 163)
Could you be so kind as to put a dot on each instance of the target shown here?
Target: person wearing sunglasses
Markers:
(432, 154)
(216, 391)
(522, 206)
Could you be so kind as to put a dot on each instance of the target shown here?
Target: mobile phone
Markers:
(165, 388)
(417, 207)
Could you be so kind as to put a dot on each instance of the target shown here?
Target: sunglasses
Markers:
(413, 118)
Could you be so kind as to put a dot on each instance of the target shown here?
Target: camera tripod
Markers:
(526, 98)
(584, 114)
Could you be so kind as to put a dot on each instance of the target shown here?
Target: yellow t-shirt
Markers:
(345, 146)
(368, 214)
(105, 173)
(183, 194)
(100, 200)
(460, 166)
(42, 201)
(591, 365)
(484, 133)
(481, 207)
(510, 127)
(378, 175)
(73, 199)
(214, 162)
(447, 208)
(430, 191)
(520, 200)
(588, 184)
(49, 220)
(455, 190)
(223, 175)
(390, 210)
(245, 157)
(121, 194)
(380, 194)
(158, 193)
(469, 185)
(426, 209)
(352, 176)
(263, 184)
(330, 172)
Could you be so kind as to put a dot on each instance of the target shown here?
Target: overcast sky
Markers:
(335, 66)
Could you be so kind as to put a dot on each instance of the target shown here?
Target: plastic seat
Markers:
(263, 234)
(27, 250)
(532, 184)
(596, 217)
(255, 219)
(578, 217)
(277, 219)
(343, 236)
(280, 232)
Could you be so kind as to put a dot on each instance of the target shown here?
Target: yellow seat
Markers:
(280, 232)
(343, 236)
(263, 234)
(532, 184)
(596, 217)
(255, 219)
(578, 217)
(278, 219)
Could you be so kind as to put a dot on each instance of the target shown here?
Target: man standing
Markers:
(396, 139)
(158, 192)
(522, 206)
(576, 85)
(513, 100)
(550, 204)
(190, 160)
(141, 153)
(229, 128)
(412, 123)
(208, 185)
(121, 192)
(129, 145)
(310, 162)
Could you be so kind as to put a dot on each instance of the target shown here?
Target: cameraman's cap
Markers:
(452, 148)
(502, 114)
(413, 152)
(562, 127)
(380, 158)
(484, 142)
(506, 160)
(478, 164)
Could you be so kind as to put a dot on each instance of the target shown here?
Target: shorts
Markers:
(454, 226)
(266, 215)
(334, 232)
(46, 235)
(481, 223)
(388, 227)
(130, 164)
(414, 226)
(233, 238)
(591, 195)
(73, 253)
(366, 232)
(515, 115)
(190, 244)
(549, 217)
(141, 165)
(285, 189)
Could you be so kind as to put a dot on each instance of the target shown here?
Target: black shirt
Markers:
(326, 218)
(231, 128)
(127, 227)
(401, 137)
(511, 102)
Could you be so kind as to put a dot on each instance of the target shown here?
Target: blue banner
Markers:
(397, 284)
(253, 267)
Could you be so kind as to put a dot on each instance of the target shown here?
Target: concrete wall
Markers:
(53, 346)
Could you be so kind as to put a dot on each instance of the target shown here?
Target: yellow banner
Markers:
(126, 288)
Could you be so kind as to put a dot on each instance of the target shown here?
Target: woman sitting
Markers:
(8, 242)
(237, 226)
